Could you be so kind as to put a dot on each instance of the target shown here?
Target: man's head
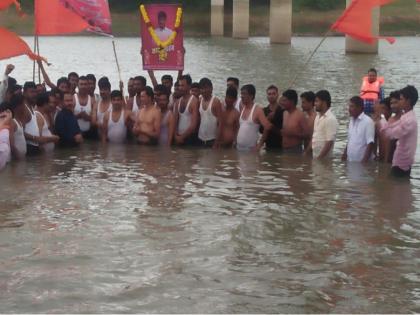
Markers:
(140, 83)
(91, 83)
(162, 99)
(159, 89)
(104, 88)
(272, 94)
(168, 81)
(185, 84)
(248, 93)
(40, 88)
(130, 88)
(6, 114)
(162, 18)
(383, 108)
(355, 106)
(408, 97)
(29, 92)
(17, 103)
(289, 99)
(58, 96)
(11, 86)
(206, 87)
(308, 101)
(232, 82)
(68, 101)
(231, 97)
(372, 75)
(73, 78)
(147, 96)
(63, 84)
(117, 99)
(322, 101)
(42, 101)
(83, 85)
(395, 102)
(195, 89)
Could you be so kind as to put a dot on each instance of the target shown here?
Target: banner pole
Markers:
(116, 60)
(39, 69)
(34, 63)
(309, 59)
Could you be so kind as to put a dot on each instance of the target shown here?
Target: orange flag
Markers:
(52, 17)
(12, 45)
(356, 21)
(4, 4)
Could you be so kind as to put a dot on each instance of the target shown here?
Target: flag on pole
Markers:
(57, 17)
(12, 45)
(4, 4)
(356, 21)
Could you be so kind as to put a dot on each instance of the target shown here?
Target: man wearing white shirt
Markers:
(325, 128)
(4, 82)
(361, 134)
(162, 31)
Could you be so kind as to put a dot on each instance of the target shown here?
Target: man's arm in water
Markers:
(104, 127)
(262, 119)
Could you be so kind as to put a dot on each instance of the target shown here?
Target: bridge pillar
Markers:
(217, 17)
(240, 19)
(354, 46)
(281, 21)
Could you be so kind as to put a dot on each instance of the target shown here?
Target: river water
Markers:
(132, 229)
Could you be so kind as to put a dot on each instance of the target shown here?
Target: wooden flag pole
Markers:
(38, 53)
(116, 60)
(34, 64)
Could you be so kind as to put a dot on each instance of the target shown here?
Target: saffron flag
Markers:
(12, 45)
(4, 4)
(162, 37)
(356, 21)
(56, 17)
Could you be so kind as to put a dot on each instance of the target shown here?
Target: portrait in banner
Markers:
(162, 37)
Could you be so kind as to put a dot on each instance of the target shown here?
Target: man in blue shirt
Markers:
(66, 125)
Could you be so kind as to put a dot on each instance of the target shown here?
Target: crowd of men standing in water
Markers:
(34, 121)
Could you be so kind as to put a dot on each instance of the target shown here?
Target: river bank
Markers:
(399, 19)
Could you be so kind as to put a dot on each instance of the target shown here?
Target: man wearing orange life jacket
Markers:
(372, 90)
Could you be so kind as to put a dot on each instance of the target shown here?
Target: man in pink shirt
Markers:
(405, 131)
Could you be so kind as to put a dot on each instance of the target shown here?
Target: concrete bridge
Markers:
(281, 13)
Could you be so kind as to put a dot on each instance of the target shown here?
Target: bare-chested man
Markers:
(229, 121)
(85, 107)
(234, 82)
(147, 126)
(135, 103)
(295, 126)
(186, 114)
(210, 110)
(308, 108)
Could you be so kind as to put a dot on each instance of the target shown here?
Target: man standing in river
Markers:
(251, 119)
(186, 114)
(274, 114)
(295, 126)
(325, 128)
(405, 131)
(147, 127)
